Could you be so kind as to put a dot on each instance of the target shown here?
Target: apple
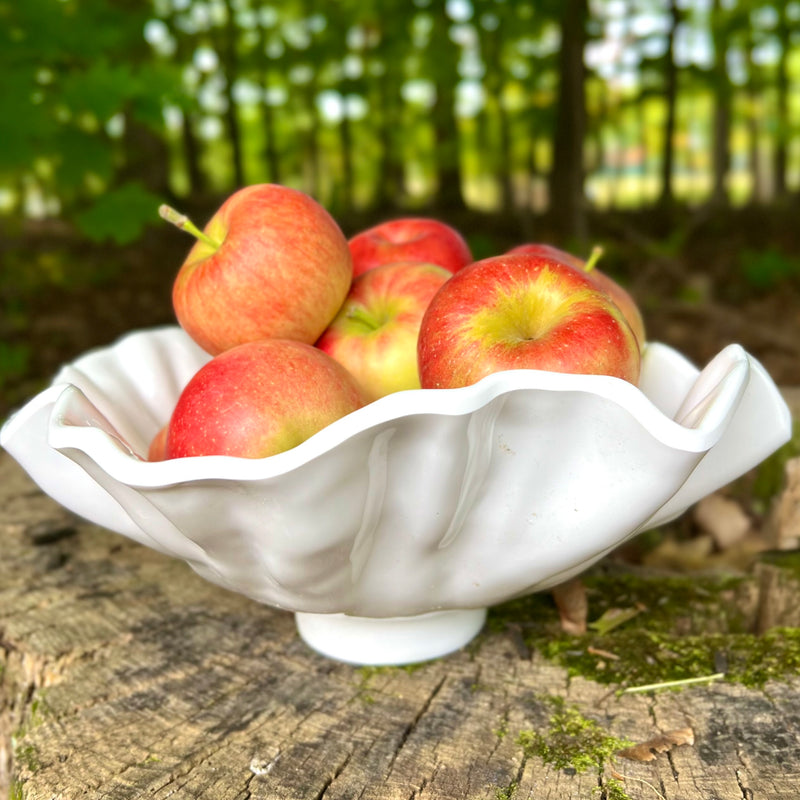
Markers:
(409, 239)
(271, 263)
(374, 335)
(158, 445)
(258, 399)
(522, 311)
(626, 304)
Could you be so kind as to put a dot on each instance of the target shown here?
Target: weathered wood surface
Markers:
(124, 675)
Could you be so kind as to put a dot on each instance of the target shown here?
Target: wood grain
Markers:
(124, 675)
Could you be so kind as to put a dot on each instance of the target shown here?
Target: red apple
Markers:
(374, 335)
(258, 399)
(158, 445)
(270, 263)
(627, 305)
(409, 239)
(522, 311)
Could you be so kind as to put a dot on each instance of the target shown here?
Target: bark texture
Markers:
(124, 675)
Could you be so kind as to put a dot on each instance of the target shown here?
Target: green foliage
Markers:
(76, 77)
(14, 360)
(121, 216)
(765, 270)
(431, 100)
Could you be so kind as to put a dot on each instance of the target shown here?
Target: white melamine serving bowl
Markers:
(391, 531)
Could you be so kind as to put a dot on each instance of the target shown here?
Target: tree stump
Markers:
(124, 675)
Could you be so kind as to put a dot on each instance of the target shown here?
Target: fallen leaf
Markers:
(613, 618)
(596, 651)
(646, 751)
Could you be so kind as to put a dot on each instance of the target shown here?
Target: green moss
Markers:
(611, 789)
(571, 741)
(788, 560)
(660, 599)
(506, 792)
(501, 731)
(37, 714)
(644, 657)
(40, 710)
(27, 756)
(15, 791)
(686, 628)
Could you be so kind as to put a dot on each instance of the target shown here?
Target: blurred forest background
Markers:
(666, 130)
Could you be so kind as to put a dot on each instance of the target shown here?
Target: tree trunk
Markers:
(758, 191)
(721, 153)
(608, 152)
(191, 155)
(346, 198)
(270, 151)
(146, 157)
(567, 205)
(506, 161)
(495, 79)
(532, 163)
(313, 155)
(271, 155)
(670, 101)
(390, 170)
(782, 100)
(450, 193)
(230, 61)
(192, 149)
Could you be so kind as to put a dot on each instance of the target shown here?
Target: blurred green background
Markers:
(666, 129)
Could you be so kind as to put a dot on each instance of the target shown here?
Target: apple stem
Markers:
(359, 315)
(594, 257)
(185, 224)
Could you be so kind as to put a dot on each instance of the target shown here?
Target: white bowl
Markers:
(392, 530)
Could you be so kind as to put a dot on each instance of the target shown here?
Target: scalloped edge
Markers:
(122, 463)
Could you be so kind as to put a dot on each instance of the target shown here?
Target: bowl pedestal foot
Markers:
(391, 641)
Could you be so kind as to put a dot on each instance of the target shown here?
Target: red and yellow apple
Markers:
(271, 262)
(409, 239)
(374, 335)
(626, 304)
(522, 311)
(158, 445)
(258, 399)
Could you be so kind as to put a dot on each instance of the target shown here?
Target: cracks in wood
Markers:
(336, 773)
(23, 677)
(511, 789)
(245, 729)
(246, 793)
(409, 729)
(296, 726)
(416, 793)
(747, 792)
(674, 769)
(500, 732)
(514, 631)
(6, 714)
